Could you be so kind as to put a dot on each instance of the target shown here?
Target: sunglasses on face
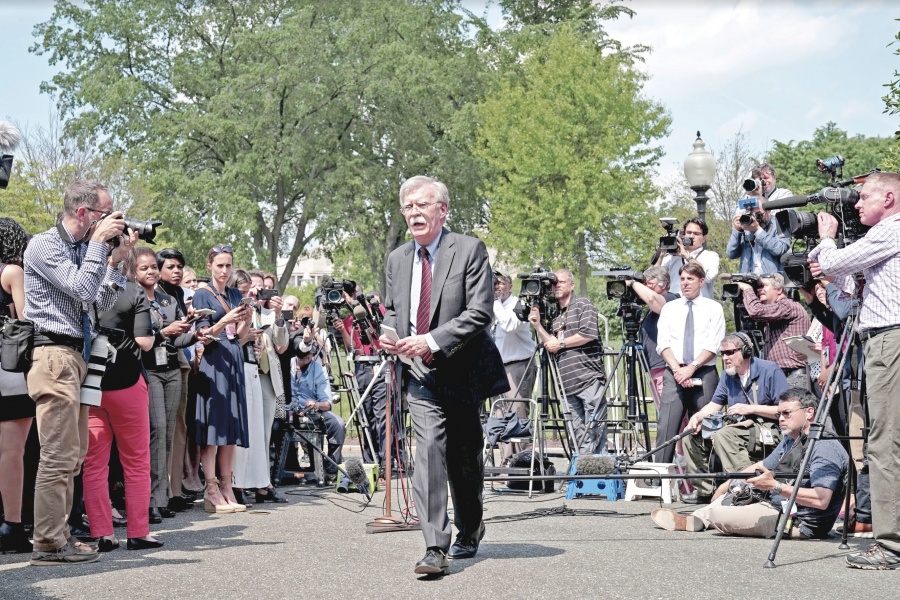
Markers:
(730, 352)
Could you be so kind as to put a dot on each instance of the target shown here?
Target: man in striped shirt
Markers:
(877, 255)
(69, 270)
(575, 340)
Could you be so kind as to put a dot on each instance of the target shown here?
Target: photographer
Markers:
(68, 270)
(755, 240)
(754, 511)
(783, 318)
(653, 291)
(748, 393)
(310, 390)
(516, 346)
(366, 360)
(690, 330)
(877, 255)
(691, 246)
(575, 342)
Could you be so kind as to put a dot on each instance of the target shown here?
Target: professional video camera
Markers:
(330, 295)
(537, 290)
(306, 419)
(669, 242)
(803, 227)
(731, 290)
(9, 141)
(617, 289)
(742, 319)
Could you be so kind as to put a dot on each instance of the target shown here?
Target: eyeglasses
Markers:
(787, 413)
(220, 248)
(101, 213)
(418, 207)
(730, 352)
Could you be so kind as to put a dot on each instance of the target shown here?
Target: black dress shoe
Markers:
(155, 516)
(466, 547)
(269, 496)
(180, 504)
(105, 545)
(141, 544)
(14, 539)
(120, 522)
(78, 532)
(166, 513)
(434, 563)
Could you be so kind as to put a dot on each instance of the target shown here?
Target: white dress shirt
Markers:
(707, 258)
(512, 336)
(415, 288)
(709, 327)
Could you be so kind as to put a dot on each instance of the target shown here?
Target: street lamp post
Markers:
(700, 171)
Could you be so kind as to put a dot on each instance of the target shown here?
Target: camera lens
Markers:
(745, 220)
(532, 288)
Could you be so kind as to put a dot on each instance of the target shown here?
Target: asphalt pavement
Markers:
(317, 547)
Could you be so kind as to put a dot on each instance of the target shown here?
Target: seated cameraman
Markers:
(782, 317)
(755, 240)
(748, 393)
(653, 291)
(310, 389)
(818, 500)
(691, 246)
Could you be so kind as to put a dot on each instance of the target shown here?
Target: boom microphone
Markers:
(789, 202)
(9, 137)
(357, 474)
(361, 316)
(595, 465)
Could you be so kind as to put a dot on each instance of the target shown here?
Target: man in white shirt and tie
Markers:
(691, 329)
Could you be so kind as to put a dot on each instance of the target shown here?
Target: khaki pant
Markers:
(732, 445)
(54, 383)
(752, 520)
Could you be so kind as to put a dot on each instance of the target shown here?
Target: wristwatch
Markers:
(695, 364)
(562, 344)
(777, 489)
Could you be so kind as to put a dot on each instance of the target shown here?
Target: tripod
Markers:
(635, 421)
(846, 348)
(554, 414)
(348, 385)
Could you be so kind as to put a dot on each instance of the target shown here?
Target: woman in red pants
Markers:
(124, 414)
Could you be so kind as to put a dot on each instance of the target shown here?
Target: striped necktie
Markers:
(423, 315)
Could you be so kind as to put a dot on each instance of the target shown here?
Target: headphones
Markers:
(747, 347)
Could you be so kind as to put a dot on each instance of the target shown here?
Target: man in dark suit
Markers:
(440, 300)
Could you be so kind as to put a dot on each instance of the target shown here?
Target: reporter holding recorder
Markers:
(220, 386)
(170, 331)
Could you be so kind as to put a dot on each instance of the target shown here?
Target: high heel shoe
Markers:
(213, 484)
(14, 539)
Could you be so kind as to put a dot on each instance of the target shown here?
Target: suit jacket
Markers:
(468, 367)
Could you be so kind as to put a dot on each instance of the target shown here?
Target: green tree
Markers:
(568, 138)
(270, 124)
(795, 162)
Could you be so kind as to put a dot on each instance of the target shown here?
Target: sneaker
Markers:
(66, 555)
(695, 498)
(876, 558)
(857, 529)
(673, 521)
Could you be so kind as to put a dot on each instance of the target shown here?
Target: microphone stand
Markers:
(387, 522)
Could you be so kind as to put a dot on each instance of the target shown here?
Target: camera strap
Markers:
(66, 237)
(218, 296)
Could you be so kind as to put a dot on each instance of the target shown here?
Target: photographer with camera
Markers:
(877, 255)
(748, 393)
(366, 360)
(752, 508)
(782, 317)
(691, 246)
(516, 346)
(653, 291)
(310, 389)
(755, 237)
(690, 331)
(575, 340)
(69, 270)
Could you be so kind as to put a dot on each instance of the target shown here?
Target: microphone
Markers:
(320, 318)
(9, 137)
(357, 474)
(789, 202)
(366, 332)
(604, 464)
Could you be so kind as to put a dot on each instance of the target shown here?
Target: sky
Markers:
(773, 70)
